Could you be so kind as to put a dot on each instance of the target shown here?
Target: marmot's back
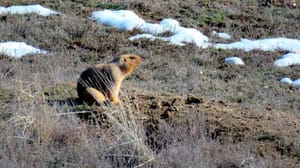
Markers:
(100, 78)
(102, 82)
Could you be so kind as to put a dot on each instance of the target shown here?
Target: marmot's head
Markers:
(128, 62)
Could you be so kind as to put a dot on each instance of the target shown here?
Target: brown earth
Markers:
(271, 133)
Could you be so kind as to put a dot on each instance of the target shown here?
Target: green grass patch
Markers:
(213, 17)
(6, 95)
(267, 136)
(4, 115)
(206, 17)
(60, 92)
(235, 99)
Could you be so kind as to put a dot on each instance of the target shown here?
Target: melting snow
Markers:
(270, 44)
(221, 35)
(121, 19)
(18, 49)
(288, 59)
(179, 35)
(128, 20)
(188, 35)
(38, 9)
(166, 25)
(295, 83)
(234, 60)
(286, 80)
(141, 36)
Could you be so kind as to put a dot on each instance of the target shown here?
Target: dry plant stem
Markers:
(127, 126)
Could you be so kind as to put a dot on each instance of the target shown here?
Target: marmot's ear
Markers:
(123, 60)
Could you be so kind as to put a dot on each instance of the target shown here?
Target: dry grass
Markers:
(39, 123)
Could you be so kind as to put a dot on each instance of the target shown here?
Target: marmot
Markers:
(102, 82)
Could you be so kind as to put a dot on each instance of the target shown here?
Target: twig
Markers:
(120, 155)
(29, 95)
(81, 112)
(9, 71)
(143, 164)
(125, 143)
(19, 137)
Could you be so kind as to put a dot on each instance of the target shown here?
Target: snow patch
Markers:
(286, 80)
(166, 25)
(18, 49)
(295, 83)
(182, 36)
(234, 60)
(143, 36)
(128, 20)
(221, 35)
(287, 60)
(38, 9)
(121, 19)
(188, 35)
(270, 44)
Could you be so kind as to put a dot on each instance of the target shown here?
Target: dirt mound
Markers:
(271, 132)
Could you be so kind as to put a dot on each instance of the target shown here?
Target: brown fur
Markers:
(102, 82)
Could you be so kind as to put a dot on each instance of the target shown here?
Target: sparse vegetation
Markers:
(183, 107)
(115, 6)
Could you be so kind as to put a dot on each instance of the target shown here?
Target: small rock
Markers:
(193, 100)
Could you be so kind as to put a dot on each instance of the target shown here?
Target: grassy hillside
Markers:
(182, 107)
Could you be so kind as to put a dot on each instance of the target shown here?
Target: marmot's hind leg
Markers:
(113, 97)
(98, 96)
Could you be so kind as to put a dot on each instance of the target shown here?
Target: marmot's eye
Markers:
(132, 57)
